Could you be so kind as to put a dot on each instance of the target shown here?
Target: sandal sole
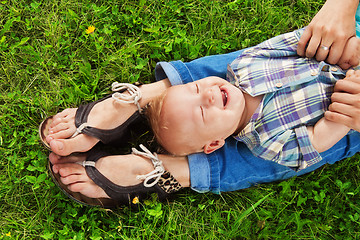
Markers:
(78, 197)
(44, 131)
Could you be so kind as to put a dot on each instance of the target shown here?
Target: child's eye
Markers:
(197, 88)
(202, 113)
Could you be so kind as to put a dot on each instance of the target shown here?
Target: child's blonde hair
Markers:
(153, 113)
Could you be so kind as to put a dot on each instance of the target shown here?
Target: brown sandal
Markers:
(158, 181)
(116, 135)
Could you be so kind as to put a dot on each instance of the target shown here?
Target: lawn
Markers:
(49, 62)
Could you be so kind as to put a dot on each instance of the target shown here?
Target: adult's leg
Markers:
(179, 72)
(122, 170)
(74, 176)
(107, 114)
(234, 167)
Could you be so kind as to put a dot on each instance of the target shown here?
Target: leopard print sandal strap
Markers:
(159, 175)
(168, 183)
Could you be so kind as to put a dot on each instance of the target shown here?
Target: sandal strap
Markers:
(79, 129)
(163, 185)
(134, 91)
(156, 173)
(108, 136)
(114, 191)
(159, 176)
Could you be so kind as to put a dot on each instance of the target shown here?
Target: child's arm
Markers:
(326, 134)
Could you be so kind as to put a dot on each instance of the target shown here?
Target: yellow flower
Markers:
(135, 200)
(8, 234)
(90, 30)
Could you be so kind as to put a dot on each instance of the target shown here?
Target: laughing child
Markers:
(273, 101)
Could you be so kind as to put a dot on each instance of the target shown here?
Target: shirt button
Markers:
(334, 69)
(314, 73)
(279, 85)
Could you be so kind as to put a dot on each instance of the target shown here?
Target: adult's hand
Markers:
(326, 35)
(351, 54)
(345, 106)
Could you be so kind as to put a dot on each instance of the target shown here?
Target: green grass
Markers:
(48, 63)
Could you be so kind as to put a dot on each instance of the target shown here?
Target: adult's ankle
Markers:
(152, 90)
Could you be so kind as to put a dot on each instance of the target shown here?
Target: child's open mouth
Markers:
(224, 97)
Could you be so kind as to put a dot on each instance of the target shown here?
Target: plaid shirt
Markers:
(296, 94)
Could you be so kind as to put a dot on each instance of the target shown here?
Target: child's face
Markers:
(199, 116)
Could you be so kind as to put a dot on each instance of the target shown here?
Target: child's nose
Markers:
(208, 97)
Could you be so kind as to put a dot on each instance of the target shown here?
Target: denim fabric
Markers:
(179, 73)
(234, 167)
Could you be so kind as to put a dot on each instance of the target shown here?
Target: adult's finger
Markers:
(345, 98)
(350, 73)
(351, 54)
(354, 61)
(304, 39)
(345, 65)
(350, 85)
(336, 51)
(343, 109)
(348, 63)
(313, 45)
(342, 119)
(323, 50)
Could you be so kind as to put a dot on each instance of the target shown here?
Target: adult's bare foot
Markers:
(105, 115)
(121, 170)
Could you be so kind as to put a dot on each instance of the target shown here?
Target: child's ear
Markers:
(214, 145)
